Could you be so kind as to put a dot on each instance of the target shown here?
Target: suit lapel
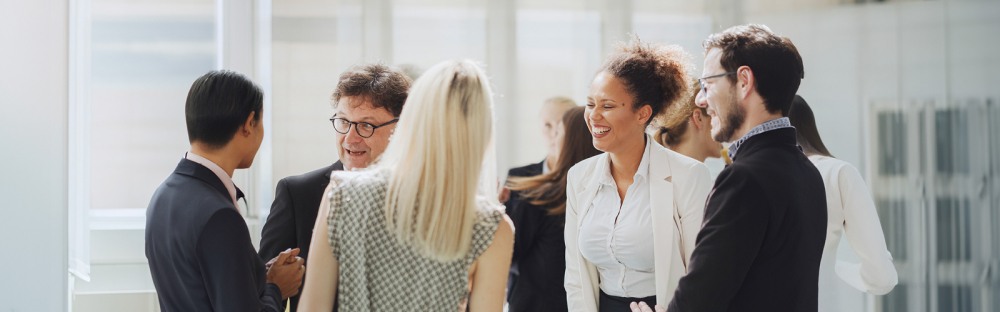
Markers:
(591, 187)
(661, 202)
(335, 167)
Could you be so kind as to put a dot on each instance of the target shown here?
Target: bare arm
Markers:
(321, 278)
(489, 282)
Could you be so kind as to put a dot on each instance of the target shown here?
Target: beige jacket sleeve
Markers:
(690, 197)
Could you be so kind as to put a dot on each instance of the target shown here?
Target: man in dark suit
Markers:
(367, 104)
(197, 243)
(761, 242)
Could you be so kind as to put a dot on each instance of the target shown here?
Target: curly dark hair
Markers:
(385, 86)
(774, 60)
(655, 75)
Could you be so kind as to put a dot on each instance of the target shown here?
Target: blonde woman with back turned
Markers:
(421, 230)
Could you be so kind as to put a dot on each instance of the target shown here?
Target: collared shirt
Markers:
(226, 179)
(775, 124)
(616, 235)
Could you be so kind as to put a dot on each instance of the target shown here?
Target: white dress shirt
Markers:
(851, 211)
(616, 236)
(677, 187)
(226, 179)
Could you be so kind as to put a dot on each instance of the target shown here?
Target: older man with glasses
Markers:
(367, 103)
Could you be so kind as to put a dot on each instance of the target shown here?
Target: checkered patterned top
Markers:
(377, 271)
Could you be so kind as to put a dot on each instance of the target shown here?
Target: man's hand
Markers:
(504, 195)
(643, 307)
(289, 260)
(286, 271)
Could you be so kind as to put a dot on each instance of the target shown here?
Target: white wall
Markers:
(855, 55)
(33, 161)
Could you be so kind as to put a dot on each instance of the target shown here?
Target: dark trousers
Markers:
(609, 303)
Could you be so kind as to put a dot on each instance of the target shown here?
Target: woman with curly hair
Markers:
(687, 129)
(633, 212)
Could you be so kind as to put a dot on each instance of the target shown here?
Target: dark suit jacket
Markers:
(293, 215)
(199, 248)
(762, 238)
(539, 263)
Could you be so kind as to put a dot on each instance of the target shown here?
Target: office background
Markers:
(92, 95)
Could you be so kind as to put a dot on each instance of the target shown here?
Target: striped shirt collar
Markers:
(775, 124)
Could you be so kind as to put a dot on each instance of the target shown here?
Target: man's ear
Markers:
(745, 81)
(249, 125)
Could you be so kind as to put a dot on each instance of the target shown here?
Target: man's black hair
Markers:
(218, 104)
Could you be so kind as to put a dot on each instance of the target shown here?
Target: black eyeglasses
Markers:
(364, 129)
(701, 81)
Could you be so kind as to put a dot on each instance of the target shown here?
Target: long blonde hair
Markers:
(436, 161)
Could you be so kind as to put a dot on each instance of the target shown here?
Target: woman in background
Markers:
(687, 129)
(538, 213)
(632, 213)
(421, 231)
(851, 211)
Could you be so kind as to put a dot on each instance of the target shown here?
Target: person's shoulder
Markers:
(526, 171)
(368, 178)
(186, 191)
(491, 219)
(318, 175)
(187, 202)
(737, 172)
(678, 162)
(582, 168)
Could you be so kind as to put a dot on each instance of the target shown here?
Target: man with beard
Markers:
(760, 245)
(367, 103)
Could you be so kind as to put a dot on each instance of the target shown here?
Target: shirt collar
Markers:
(775, 124)
(641, 173)
(226, 179)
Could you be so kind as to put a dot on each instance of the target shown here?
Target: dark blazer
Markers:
(762, 238)
(539, 263)
(199, 249)
(293, 215)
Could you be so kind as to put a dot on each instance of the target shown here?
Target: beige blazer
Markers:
(678, 186)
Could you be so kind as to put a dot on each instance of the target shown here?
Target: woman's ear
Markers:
(696, 119)
(645, 113)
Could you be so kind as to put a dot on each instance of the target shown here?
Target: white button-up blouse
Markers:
(617, 235)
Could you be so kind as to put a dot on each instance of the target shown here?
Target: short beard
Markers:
(733, 121)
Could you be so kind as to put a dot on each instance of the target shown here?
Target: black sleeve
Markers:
(525, 227)
(736, 220)
(527, 219)
(279, 231)
(229, 263)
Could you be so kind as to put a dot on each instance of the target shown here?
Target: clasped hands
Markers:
(286, 271)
